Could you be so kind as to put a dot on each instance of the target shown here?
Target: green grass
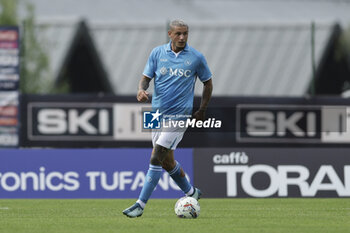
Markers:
(217, 215)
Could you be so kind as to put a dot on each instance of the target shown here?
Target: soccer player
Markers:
(174, 67)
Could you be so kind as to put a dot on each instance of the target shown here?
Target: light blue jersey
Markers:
(175, 77)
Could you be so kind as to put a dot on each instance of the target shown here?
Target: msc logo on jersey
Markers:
(175, 72)
(151, 120)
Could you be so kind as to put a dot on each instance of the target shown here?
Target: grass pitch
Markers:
(217, 215)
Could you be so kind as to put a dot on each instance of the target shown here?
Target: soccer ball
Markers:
(187, 207)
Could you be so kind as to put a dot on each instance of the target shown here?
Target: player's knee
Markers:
(159, 155)
(161, 151)
(155, 161)
(168, 165)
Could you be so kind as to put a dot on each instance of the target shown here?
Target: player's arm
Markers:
(142, 94)
(206, 95)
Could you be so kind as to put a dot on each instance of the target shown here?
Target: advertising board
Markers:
(273, 172)
(83, 173)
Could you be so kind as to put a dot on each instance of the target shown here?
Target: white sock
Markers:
(189, 193)
(142, 204)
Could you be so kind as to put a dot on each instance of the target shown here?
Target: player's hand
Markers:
(199, 115)
(142, 96)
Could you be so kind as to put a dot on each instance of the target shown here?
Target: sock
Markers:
(151, 181)
(191, 192)
(182, 182)
(142, 204)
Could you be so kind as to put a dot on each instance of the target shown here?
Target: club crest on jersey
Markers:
(188, 62)
(163, 70)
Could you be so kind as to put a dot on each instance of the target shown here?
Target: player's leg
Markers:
(174, 168)
(177, 173)
(154, 172)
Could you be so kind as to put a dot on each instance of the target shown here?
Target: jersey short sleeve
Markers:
(203, 72)
(151, 65)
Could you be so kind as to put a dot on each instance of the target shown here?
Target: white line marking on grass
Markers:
(4, 208)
